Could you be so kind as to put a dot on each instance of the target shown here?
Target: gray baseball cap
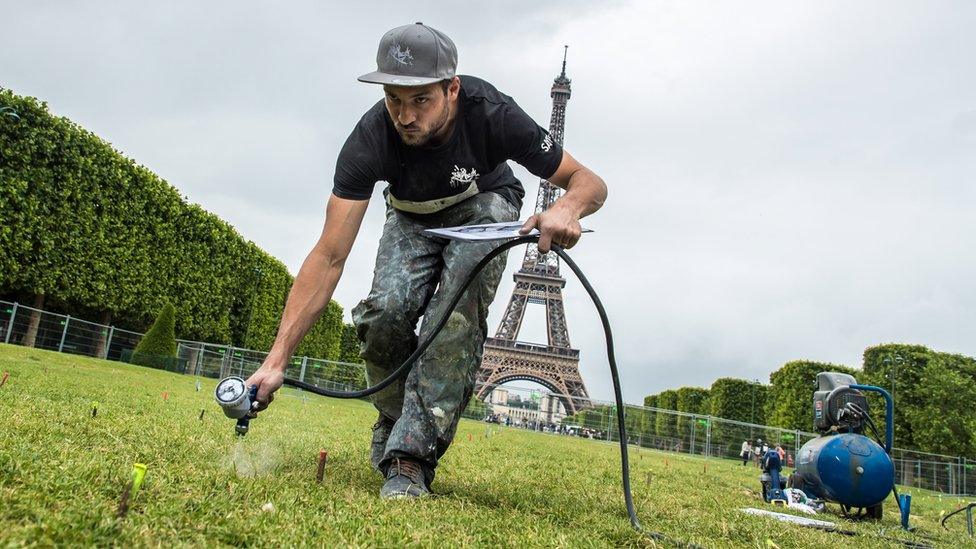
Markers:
(413, 55)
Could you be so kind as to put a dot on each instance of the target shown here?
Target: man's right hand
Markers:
(268, 379)
(310, 292)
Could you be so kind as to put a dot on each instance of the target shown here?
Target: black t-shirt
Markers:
(490, 128)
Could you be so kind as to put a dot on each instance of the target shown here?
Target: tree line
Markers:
(934, 394)
(89, 232)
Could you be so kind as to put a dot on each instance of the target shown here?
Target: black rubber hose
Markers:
(404, 368)
(621, 423)
(956, 512)
(885, 444)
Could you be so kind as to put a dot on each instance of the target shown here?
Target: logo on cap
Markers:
(403, 57)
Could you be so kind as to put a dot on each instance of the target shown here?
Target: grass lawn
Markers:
(62, 473)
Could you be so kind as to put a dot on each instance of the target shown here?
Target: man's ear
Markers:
(454, 88)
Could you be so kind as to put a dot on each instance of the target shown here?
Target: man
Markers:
(441, 142)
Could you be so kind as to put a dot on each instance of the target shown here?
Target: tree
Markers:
(738, 399)
(476, 408)
(665, 425)
(943, 421)
(596, 418)
(693, 401)
(89, 232)
(160, 340)
(899, 369)
(650, 416)
(637, 421)
(324, 340)
(350, 346)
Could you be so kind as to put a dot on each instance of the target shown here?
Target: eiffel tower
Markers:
(554, 366)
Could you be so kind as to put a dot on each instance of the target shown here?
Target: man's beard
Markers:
(420, 138)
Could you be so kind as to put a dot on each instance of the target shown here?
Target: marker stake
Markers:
(4, 380)
(138, 475)
(94, 409)
(320, 473)
(132, 488)
(201, 413)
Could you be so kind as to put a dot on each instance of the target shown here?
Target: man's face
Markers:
(421, 112)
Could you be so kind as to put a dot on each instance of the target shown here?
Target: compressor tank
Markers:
(846, 468)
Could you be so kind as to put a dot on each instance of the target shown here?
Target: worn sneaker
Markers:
(404, 480)
(377, 448)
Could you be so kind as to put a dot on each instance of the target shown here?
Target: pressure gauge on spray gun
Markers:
(236, 398)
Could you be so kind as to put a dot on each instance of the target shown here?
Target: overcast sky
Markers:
(787, 180)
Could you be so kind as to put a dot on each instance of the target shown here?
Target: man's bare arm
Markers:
(311, 291)
(585, 194)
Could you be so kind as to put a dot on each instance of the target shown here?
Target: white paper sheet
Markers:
(803, 521)
(505, 230)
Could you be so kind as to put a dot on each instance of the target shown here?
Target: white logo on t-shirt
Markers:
(547, 143)
(462, 176)
(403, 57)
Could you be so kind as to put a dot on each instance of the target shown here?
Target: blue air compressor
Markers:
(843, 465)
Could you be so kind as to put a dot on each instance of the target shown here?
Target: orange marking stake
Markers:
(469, 437)
(323, 458)
(4, 380)
(166, 396)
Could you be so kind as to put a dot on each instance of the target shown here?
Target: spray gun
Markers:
(237, 400)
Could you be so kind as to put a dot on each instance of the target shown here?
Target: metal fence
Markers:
(712, 437)
(219, 361)
(665, 430)
(21, 325)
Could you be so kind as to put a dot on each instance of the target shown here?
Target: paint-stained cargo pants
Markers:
(417, 275)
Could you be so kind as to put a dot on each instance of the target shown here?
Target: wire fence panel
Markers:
(672, 431)
(540, 410)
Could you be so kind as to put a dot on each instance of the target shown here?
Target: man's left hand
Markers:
(557, 225)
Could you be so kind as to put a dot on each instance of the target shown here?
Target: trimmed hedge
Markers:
(99, 236)
(942, 418)
(693, 400)
(934, 394)
(738, 399)
(650, 401)
(908, 364)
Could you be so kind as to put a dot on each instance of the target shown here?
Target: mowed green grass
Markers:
(62, 473)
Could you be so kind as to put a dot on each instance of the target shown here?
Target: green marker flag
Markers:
(138, 475)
